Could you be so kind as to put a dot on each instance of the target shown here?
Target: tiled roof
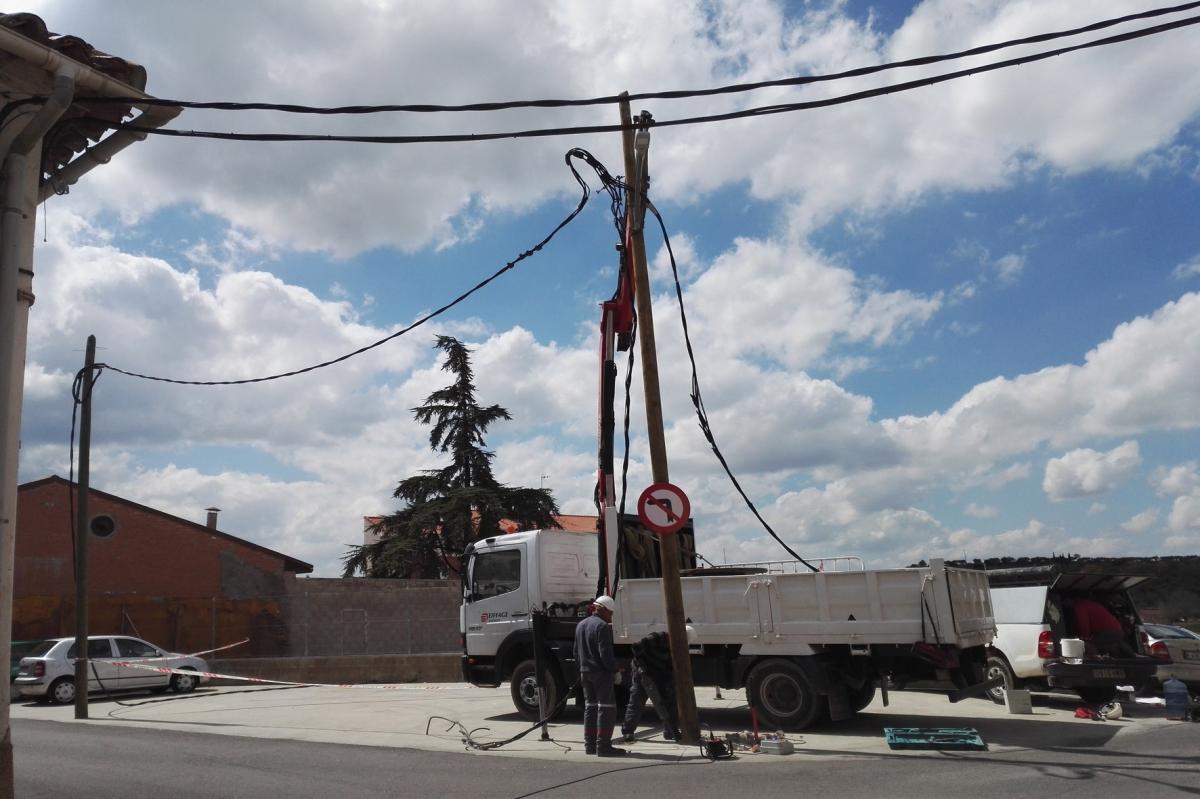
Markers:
(20, 80)
(289, 563)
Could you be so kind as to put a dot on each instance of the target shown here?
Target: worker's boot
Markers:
(589, 745)
(606, 749)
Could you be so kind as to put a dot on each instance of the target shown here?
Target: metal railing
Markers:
(836, 563)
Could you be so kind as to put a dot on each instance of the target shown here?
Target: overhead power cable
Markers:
(698, 398)
(676, 94)
(585, 195)
(779, 108)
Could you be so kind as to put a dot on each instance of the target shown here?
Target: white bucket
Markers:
(1072, 647)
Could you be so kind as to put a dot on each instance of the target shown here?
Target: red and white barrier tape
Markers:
(172, 656)
(212, 675)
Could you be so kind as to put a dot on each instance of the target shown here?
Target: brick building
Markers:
(175, 581)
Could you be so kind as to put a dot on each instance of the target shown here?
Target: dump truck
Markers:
(807, 646)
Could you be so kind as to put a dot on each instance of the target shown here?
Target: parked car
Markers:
(1030, 606)
(48, 672)
(1179, 645)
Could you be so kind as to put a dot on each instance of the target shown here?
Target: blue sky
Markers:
(962, 319)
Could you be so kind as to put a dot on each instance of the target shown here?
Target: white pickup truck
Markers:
(806, 646)
(1032, 619)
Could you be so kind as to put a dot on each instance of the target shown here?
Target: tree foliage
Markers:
(446, 509)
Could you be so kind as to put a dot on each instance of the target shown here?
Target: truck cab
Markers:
(508, 575)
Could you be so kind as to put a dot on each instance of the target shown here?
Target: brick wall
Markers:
(150, 554)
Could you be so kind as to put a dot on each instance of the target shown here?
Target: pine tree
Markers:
(445, 509)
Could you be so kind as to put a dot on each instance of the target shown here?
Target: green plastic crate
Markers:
(959, 738)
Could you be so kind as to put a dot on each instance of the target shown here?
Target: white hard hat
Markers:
(605, 602)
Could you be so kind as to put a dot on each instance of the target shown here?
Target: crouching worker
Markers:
(597, 673)
(1100, 630)
(653, 680)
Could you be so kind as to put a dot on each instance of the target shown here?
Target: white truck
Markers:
(806, 646)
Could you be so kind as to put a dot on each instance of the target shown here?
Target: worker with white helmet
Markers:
(597, 673)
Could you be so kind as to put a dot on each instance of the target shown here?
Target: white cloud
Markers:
(1096, 508)
(1187, 269)
(1009, 267)
(981, 511)
(1089, 109)
(1177, 480)
(1086, 472)
(1141, 522)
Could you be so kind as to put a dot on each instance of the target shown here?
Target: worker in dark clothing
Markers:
(1100, 630)
(597, 673)
(652, 678)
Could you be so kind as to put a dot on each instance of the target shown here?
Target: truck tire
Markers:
(998, 667)
(525, 694)
(783, 695)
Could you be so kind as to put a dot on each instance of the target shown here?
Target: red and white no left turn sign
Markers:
(663, 508)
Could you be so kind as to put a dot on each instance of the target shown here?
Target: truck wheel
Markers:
(998, 667)
(525, 691)
(1097, 695)
(783, 695)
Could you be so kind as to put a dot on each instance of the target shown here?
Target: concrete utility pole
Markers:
(34, 70)
(637, 176)
(81, 533)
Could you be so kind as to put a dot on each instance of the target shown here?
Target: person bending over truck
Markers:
(597, 672)
(651, 677)
(1100, 630)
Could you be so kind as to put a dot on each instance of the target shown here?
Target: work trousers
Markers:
(643, 687)
(599, 708)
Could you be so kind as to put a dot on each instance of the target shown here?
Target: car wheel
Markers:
(1098, 695)
(998, 667)
(62, 691)
(783, 696)
(184, 683)
(525, 690)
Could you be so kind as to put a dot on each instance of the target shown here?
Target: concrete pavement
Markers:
(398, 717)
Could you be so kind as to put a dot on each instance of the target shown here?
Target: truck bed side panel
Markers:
(885, 606)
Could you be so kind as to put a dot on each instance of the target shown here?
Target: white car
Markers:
(1178, 644)
(48, 672)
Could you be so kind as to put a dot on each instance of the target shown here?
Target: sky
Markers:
(957, 321)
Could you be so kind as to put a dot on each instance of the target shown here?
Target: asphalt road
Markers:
(54, 760)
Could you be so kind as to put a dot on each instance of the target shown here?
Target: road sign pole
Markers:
(637, 176)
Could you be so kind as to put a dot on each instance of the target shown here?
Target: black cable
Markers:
(489, 745)
(780, 108)
(611, 99)
(698, 400)
(576, 152)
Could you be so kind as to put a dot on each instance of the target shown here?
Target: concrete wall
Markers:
(361, 616)
(349, 670)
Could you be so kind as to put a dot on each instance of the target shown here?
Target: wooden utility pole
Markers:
(81, 533)
(637, 177)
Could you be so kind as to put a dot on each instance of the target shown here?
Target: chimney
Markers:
(212, 517)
